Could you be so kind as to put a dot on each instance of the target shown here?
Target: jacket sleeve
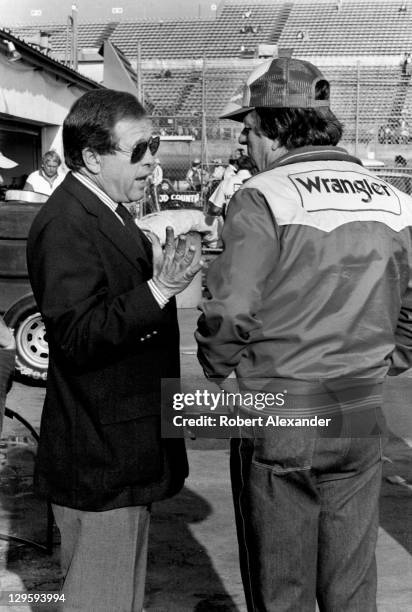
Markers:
(401, 358)
(236, 282)
(85, 320)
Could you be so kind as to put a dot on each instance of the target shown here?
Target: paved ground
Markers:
(193, 562)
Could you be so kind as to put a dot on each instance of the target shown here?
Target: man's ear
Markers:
(91, 160)
(275, 144)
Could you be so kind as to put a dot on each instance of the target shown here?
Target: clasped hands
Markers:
(174, 266)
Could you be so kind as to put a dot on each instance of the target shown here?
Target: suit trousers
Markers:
(103, 558)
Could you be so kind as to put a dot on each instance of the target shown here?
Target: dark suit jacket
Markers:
(110, 345)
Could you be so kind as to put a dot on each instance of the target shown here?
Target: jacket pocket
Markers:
(118, 409)
(133, 451)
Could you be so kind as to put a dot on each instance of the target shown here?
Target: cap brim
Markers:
(7, 163)
(235, 112)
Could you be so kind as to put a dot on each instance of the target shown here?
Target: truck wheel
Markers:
(32, 350)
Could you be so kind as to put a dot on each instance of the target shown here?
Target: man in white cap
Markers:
(155, 180)
(6, 164)
(311, 303)
(194, 175)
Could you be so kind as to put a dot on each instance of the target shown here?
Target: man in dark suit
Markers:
(110, 314)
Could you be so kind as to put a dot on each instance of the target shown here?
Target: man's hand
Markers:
(176, 265)
(6, 336)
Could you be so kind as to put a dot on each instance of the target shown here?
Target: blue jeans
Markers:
(306, 512)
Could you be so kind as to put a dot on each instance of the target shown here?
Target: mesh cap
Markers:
(283, 82)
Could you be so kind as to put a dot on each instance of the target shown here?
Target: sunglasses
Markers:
(139, 150)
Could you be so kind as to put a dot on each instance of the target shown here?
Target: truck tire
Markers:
(32, 350)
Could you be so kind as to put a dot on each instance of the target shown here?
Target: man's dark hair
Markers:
(91, 120)
(400, 160)
(245, 163)
(300, 127)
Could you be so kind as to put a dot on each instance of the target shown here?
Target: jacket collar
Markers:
(319, 153)
(109, 224)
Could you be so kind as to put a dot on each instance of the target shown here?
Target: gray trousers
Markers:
(103, 558)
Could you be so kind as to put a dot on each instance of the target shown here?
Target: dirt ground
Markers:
(193, 563)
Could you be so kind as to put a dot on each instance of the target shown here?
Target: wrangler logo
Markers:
(344, 190)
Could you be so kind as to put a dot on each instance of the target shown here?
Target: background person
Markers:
(220, 198)
(313, 294)
(218, 170)
(404, 183)
(48, 177)
(194, 175)
(155, 180)
(231, 168)
(107, 302)
(7, 360)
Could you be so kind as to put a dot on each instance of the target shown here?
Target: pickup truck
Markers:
(17, 302)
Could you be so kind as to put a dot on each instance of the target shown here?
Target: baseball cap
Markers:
(7, 163)
(283, 82)
(196, 162)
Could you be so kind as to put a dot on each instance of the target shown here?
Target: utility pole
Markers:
(203, 144)
(74, 37)
(139, 72)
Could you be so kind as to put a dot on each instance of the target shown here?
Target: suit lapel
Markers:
(133, 249)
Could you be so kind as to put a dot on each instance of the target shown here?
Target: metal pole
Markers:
(67, 50)
(139, 72)
(203, 139)
(74, 36)
(357, 106)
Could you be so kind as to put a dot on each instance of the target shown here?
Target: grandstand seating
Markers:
(378, 97)
(222, 37)
(177, 39)
(358, 27)
(310, 27)
(89, 35)
(325, 29)
(168, 92)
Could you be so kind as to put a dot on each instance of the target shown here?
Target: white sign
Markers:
(343, 190)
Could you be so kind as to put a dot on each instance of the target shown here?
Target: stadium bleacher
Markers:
(359, 44)
(353, 27)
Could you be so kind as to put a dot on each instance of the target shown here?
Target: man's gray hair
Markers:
(51, 155)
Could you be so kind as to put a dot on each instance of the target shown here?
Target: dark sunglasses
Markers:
(139, 150)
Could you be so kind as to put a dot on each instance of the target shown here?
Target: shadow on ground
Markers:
(181, 575)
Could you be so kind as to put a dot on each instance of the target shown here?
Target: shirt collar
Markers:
(87, 182)
(314, 153)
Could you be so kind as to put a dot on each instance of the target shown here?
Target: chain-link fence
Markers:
(373, 102)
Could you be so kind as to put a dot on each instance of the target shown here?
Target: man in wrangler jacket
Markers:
(311, 297)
